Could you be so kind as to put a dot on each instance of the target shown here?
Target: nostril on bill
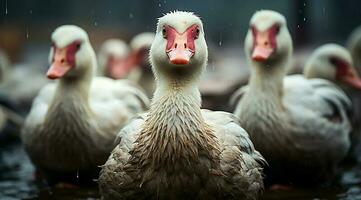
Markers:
(175, 46)
(185, 45)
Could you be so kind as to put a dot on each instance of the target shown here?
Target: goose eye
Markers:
(164, 33)
(78, 46)
(277, 28)
(333, 61)
(197, 33)
(253, 30)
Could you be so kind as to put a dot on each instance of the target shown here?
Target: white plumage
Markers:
(73, 122)
(300, 125)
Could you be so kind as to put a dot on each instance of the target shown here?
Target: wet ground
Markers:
(17, 182)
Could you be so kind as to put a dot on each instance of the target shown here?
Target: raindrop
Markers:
(131, 15)
(220, 40)
(165, 1)
(304, 3)
(27, 32)
(304, 19)
(6, 7)
(298, 26)
(95, 23)
(77, 174)
(159, 5)
(30, 12)
(109, 12)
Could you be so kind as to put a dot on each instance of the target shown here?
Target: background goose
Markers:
(177, 150)
(354, 46)
(300, 126)
(334, 63)
(73, 122)
(19, 84)
(140, 45)
(114, 62)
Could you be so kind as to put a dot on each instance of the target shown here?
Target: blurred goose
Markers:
(115, 62)
(20, 83)
(300, 126)
(334, 63)
(73, 123)
(354, 46)
(7, 104)
(140, 45)
(4, 65)
(177, 150)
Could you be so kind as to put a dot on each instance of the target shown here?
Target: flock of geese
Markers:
(291, 130)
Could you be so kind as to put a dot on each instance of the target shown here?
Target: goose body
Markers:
(176, 150)
(73, 123)
(20, 83)
(354, 47)
(299, 125)
(334, 63)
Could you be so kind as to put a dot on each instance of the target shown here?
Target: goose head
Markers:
(354, 46)
(113, 59)
(334, 63)
(179, 50)
(268, 40)
(71, 54)
(140, 45)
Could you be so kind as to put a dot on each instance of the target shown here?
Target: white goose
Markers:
(73, 123)
(6, 99)
(300, 126)
(354, 46)
(140, 45)
(115, 62)
(20, 83)
(334, 63)
(177, 150)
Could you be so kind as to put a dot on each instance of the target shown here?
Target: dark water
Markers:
(17, 182)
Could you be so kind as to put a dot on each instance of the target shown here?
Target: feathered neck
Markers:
(266, 80)
(72, 95)
(174, 131)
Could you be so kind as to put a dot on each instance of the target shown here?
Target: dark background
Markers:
(24, 22)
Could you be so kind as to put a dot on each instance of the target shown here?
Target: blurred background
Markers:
(26, 24)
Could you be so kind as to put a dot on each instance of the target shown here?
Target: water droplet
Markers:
(298, 26)
(109, 12)
(220, 40)
(131, 15)
(304, 19)
(30, 11)
(77, 174)
(6, 7)
(304, 3)
(95, 23)
(159, 5)
(27, 33)
(165, 1)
